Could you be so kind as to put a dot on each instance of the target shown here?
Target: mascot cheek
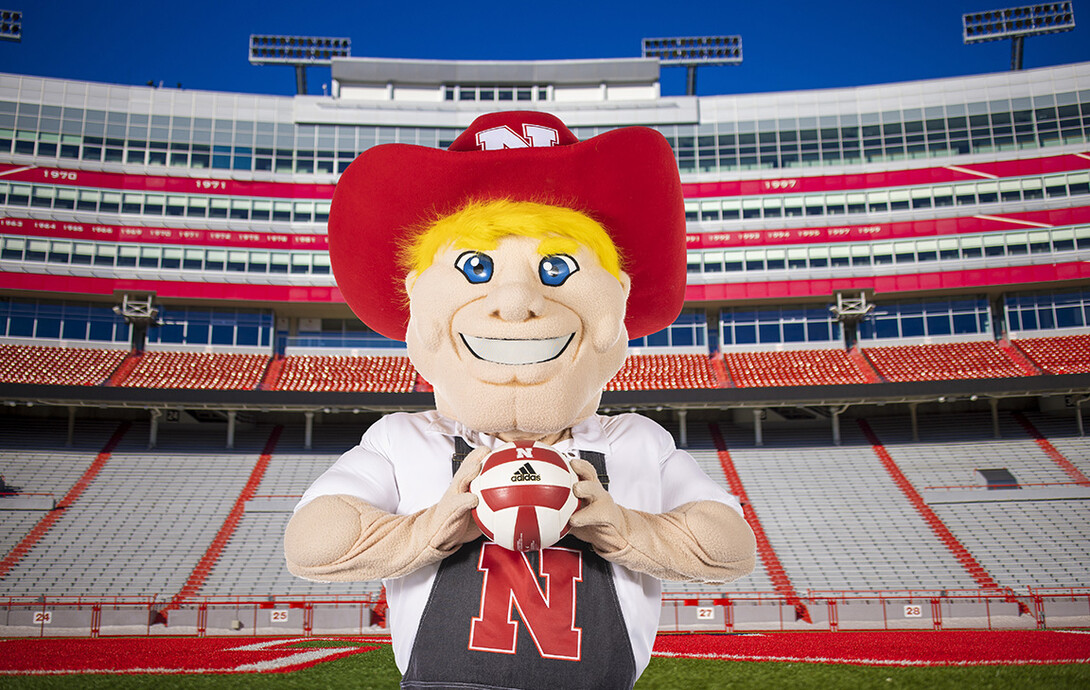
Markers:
(607, 320)
(426, 329)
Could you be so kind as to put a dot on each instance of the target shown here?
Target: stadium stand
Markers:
(57, 366)
(664, 371)
(792, 368)
(1065, 354)
(835, 519)
(387, 374)
(164, 369)
(1025, 543)
(942, 361)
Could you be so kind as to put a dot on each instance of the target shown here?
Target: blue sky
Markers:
(787, 45)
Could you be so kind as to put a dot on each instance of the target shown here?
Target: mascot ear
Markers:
(609, 328)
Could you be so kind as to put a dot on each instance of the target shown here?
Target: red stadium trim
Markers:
(783, 184)
(85, 286)
(932, 227)
(92, 232)
(912, 282)
(164, 183)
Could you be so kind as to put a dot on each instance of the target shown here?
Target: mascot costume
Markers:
(516, 265)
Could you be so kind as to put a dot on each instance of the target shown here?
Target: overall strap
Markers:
(461, 450)
(599, 461)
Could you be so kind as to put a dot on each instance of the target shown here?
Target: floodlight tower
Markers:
(693, 51)
(11, 25)
(1016, 23)
(298, 51)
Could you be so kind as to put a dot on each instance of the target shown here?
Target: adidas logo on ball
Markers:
(525, 474)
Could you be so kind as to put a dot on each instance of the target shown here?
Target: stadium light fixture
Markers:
(1016, 23)
(297, 51)
(692, 51)
(11, 25)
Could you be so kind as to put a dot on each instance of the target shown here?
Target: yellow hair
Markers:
(481, 225)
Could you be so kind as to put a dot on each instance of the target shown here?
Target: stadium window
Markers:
(215, 260)
(300, 263)
(240, 209)
(105, 255)
(927, 250)
(713, 262)
(1055, 185)
(819, 257)
(149, 257)
(128, 255)
(948, 249)
(172, 257)
(236, 261)
(82, 254)
(153, 204)
(281, 211)
(796, 257)
(60, 252)
(321, 264)
(972, 247)
(66, 199)
(994, 245)
(755, 260)
(193, 259)
(776, 259)
(175, 205)
(196, 206)
(303, 212)
(279, 262)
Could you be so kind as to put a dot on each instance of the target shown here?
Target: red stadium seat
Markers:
(378, 374)
(1065, 354)
(57, 366)
(214, 370)
(980, 359)
(665, 371)
(792, 368)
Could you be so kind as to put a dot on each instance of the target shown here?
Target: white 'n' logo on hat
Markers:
(503, 137)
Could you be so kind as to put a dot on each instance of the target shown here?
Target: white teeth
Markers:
(508, 351)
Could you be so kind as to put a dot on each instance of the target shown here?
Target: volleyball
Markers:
(525, 492)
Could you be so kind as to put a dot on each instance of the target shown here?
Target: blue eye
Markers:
(556, 268)
(476, 267)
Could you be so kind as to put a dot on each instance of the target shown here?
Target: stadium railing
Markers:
(1040, 608)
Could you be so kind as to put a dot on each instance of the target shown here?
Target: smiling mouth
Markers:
(516, 351)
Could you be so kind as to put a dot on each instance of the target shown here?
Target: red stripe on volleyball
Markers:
(544, 495)
(527, 535)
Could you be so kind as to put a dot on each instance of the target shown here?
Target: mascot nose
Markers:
(516, 300)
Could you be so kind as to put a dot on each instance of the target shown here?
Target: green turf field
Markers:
(376, 669)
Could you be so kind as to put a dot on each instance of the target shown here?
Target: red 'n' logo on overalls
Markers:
(549, 615)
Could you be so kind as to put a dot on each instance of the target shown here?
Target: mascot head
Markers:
(516, 264)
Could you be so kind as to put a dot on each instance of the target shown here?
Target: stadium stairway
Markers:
(780, 581)
(124, 369)
(978, 573)
(204, 566)
(50, 518)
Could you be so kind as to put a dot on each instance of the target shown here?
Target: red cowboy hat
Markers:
(626, 179)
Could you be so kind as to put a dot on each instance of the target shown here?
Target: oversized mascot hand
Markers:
(702, 541)
(341, 538)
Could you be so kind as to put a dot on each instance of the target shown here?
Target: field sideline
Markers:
(947, 659)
